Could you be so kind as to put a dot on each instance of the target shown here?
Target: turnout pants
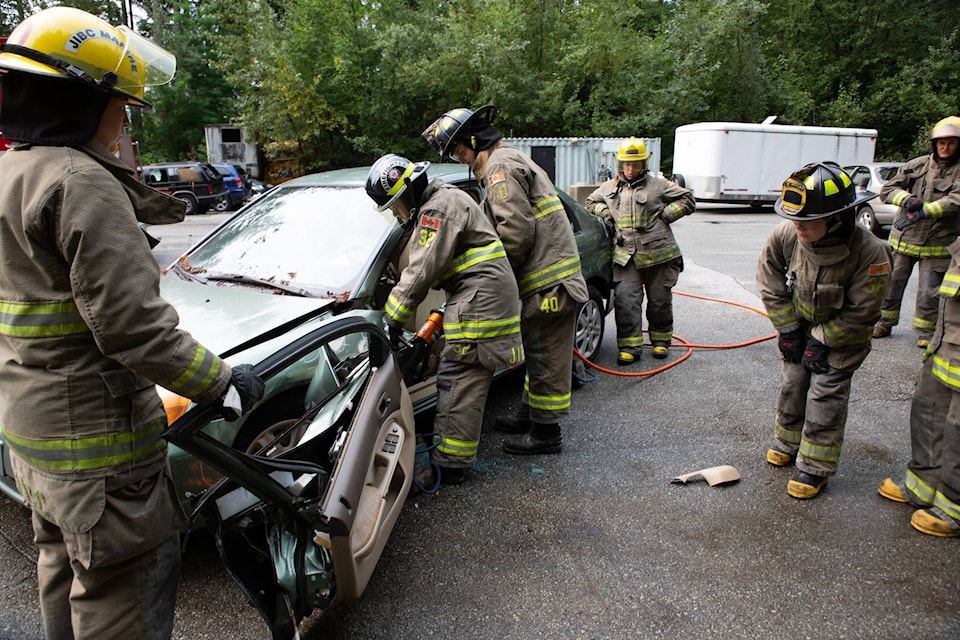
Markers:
(811, 416)
(119, 579)
(462, 385)
(933, 473)
(931, 272)
(548, 321)
(630, 283)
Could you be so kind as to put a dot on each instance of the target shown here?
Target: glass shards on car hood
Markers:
(304, 520)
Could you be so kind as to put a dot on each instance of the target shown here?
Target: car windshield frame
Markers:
(317, 239)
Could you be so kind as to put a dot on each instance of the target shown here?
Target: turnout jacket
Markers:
(454, 247)
(945, 344)
(641, 213)
(832, 290)
(84, 333)
(937, 183)
(531, 223)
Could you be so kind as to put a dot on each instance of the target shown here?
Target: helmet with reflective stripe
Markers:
(949, 127)
(818, 190)
(632, 150)
(70, 43)
(455, 126)
(389, 178)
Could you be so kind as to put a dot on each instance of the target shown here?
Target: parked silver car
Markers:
(874, 214)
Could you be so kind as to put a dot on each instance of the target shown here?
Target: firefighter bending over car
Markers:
(640, 208)
(822, 279)
(453, 246)
(927, 190)
(536, 234)
(85, 335)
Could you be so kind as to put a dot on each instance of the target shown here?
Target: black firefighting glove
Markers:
(396, 336)
(914, 212)
(791, 345)
(245, 389)
(815, 356)
(912, 203)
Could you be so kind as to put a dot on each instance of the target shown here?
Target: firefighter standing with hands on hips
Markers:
(927, 190)
(85, 335)
(453, 246)
(640, 209)
(535, 231)
(822, 279)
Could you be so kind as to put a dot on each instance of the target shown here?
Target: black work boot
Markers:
(542, 438)
(519, 423)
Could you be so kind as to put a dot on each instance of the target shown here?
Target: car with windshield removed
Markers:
(316, 472)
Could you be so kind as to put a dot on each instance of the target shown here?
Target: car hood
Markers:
(224, 317)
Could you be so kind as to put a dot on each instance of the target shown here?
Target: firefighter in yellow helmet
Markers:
(927, 190)
(640, 208)
(84, 333)
(822, 278)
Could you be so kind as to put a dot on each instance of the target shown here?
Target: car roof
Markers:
(357, 176)
(184, 163)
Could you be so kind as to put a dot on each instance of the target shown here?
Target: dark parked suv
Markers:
(196, 183)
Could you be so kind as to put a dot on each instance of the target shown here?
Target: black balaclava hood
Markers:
(49, 111)
(483, 137)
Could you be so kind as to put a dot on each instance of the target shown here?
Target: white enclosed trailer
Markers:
(746, 163)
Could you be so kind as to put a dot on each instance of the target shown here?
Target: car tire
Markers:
(590, 320)
(223, 204)
(867, 219)
(193, 205)
(679, 180)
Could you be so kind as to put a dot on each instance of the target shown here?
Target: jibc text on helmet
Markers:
(62, 42)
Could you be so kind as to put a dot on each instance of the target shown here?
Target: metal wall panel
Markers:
(579, 160)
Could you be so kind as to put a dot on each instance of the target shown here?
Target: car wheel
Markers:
(266, 438)
(223, 204)
(193, 205)
(679, 180)
(866, 219)
(590, 320)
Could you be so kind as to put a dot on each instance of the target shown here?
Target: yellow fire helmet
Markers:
(632, 150)
(67, 42)
(949, 127)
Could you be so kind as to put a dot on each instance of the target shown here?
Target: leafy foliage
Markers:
(338, 82)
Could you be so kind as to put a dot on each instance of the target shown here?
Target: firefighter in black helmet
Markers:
(452, 246)
(822, 279)
(536, 234)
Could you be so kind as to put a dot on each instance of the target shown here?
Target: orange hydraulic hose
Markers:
(686, 344)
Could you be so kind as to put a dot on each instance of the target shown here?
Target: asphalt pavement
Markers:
(597, 543)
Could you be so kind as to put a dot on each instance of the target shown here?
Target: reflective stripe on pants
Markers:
(811, 416)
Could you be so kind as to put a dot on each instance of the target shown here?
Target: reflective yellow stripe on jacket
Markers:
(950, 284)
(547, 206)
(40, 319)
(918, 250)
(482, 329)
(947, 374)
(101, 451)
(474, 256)
(553, 273)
